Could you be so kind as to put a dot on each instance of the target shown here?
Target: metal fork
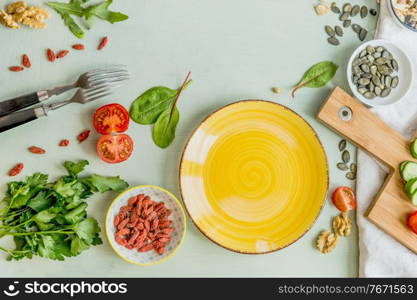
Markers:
(108, 74)
(82, 96)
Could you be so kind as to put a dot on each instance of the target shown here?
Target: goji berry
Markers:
(16, 169)
(62, 53)
(64, 143)
(83, 136)
(51, 55)
(16, 69)
(103, 43)
(26, 61)
(36, 150)
(78, 47)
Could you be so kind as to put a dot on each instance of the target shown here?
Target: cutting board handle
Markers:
(362, 127)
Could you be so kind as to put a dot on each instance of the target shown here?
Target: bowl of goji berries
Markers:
(145, 225)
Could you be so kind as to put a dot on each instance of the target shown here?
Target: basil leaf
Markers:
(164, 129)
(317, 76)
(148, 106)
(102, 11)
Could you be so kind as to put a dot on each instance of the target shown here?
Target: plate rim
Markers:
(108, 236)
(182, 158)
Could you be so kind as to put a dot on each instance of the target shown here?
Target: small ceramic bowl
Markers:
(177, 217)
(405, 74)
(397, 19)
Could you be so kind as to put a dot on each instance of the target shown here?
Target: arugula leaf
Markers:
(103, 184)
(72, 25)
(72, 8)
(102, 11)
(75, 168)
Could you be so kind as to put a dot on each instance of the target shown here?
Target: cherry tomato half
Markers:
(344, 199)
(114, 148)
(111, 118)
(412, 222)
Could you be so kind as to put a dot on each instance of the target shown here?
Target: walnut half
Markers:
(327, 241)
(342, 225)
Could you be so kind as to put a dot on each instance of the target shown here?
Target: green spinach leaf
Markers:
(317, 76)
(164, 130)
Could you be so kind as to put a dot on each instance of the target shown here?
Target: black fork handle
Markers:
(18, 103)
(18, 118)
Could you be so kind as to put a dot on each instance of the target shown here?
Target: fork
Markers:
(111, 73)
(82, 96)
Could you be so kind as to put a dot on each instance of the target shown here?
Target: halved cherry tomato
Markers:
(412, 222)
(344, 199)
(111, 118)
(114, 148)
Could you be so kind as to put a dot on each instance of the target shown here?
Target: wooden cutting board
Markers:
(391, 206)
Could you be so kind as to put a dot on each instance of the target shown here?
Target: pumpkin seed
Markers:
(329, 30)
(362, 54)
(347, 7)
(377, 91)
(370, 49)
(394, 64)
(342, 166)
(347, 23)
(344, 16)
(365, 68)
(371, 87)
(351, 176)
(362, 34)
(364, 12)
(338, 30)
(364, 81)
(376, 54)
(388, 80)
(385, 92)
(394, 82)
(376, 80)
(334, 8)
(369, 95)
(356, 28)
(362, 90)
(386, 54)
(355, 10)
(345, 156)
(373, 69)
(333, 41)
(342, 145)
(380, 49)
(353, 168)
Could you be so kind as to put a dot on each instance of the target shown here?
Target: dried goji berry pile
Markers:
(143, 224)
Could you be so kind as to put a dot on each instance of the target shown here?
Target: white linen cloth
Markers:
(381, 255)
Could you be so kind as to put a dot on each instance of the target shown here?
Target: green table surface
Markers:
(236, 49)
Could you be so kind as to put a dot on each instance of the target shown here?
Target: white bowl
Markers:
(177, 217)
(405, 74)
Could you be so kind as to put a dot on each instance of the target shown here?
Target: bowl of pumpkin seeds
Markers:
(379, 73)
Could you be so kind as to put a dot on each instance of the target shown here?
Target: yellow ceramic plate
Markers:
(254, 176)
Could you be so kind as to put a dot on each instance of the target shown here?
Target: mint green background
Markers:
(236, 49)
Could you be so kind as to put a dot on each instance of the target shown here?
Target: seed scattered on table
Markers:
(346, 156)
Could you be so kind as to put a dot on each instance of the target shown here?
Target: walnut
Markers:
(342, 225)
(7, 20)
(16, 7)
(18, 12)
(327, 241)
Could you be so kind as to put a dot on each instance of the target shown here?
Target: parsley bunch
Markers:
(49, 219)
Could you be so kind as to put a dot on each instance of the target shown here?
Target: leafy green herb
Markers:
(76, 8)
(50, 219)
(317, 76)
(158, 106)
